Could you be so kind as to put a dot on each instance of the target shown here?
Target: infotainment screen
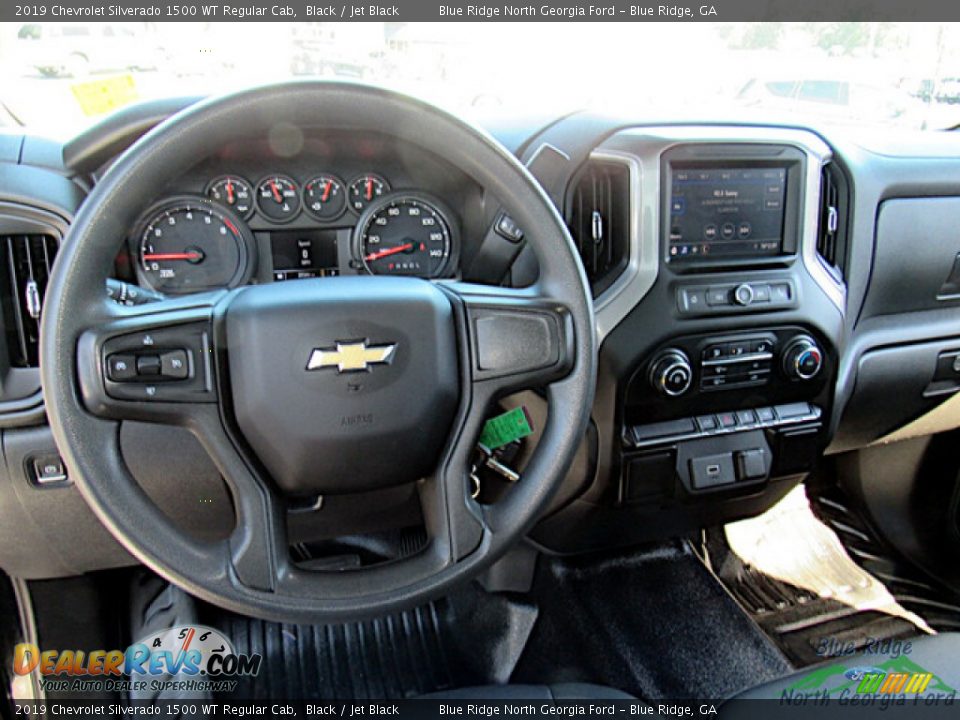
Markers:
(726, 211)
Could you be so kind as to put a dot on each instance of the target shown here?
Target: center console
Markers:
(720, 343)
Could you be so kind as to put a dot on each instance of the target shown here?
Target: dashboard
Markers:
(748, 290)
(344, 205)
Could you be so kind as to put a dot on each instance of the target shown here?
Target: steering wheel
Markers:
(412, 367)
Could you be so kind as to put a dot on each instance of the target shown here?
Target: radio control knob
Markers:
(671, 373)
(802, 358)
(743, 295)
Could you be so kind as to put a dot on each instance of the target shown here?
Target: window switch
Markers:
(49, 470)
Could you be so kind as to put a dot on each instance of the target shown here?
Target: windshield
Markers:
(60, 78)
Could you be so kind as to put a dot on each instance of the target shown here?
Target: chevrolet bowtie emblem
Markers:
(351, 356)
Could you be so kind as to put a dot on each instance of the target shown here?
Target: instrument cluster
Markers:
(285, 226)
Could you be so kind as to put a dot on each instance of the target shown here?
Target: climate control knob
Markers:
(802, 358)
(671, 373)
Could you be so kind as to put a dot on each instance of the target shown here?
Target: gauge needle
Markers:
(230, 192)
(389, 251)
(326, 191)
(369, 188)
(276, 192)
(173, 256)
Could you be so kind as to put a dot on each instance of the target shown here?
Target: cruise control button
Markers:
(174, 365)
(121, 367)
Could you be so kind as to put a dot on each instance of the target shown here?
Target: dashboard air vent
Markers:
(832, 226)
(29, 259)
(600, 220)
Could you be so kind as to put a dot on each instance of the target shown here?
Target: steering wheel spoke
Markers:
(518, 338)
(153, 362)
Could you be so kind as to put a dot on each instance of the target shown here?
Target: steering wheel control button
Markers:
(175, 365)
(508, 229)
(121, 367)
(168, 364)
(148, 365)
(49, 470)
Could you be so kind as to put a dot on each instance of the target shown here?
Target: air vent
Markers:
(832, 226)
(600, 220)
(29, 259)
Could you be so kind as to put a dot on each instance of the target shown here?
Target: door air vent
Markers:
(599, 220)
(28, 259)
(831, 232)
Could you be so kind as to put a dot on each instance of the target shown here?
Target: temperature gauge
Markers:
(365, 189)
(324, 197)
(234, 192)
(278, 198)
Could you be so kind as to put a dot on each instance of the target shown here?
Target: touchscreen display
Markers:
(718, 211)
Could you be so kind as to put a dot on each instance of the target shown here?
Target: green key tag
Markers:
(504, 429)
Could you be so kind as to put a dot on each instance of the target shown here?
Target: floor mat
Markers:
(792, 574)
(916, 592)
(656, 624)
(468, 638)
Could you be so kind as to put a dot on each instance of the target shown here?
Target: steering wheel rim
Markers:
(248, 573)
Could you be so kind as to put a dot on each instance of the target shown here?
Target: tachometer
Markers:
(190, 244)
(406, 234)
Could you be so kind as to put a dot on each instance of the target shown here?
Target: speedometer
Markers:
(406, 234)
(190, 244)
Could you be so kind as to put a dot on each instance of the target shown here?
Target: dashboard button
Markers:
(707, 422)
(746, 417)
(792, 410)
(761, 293)
(691, 299)
(727, 420)
(780, 293)
(121, 367)
(49, 470)
(743, 295)
(765, 415)
(668, 428)
(718, 296)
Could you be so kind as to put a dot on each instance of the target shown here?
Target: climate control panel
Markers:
(776, 364)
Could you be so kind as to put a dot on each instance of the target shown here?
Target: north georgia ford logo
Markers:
(185, 650)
